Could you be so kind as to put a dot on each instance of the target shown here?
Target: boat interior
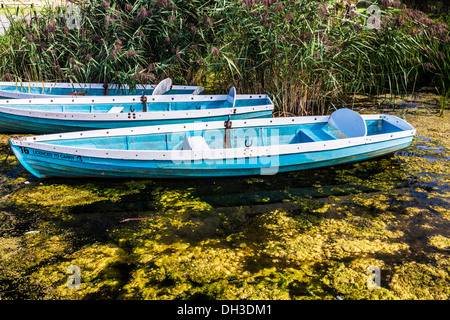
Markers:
(234, 137)
(139, 107)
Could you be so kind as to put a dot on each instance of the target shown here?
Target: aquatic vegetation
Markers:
(440, 242)
(417, 281)
(57, 196)
(100, 275)
(303, 235)
(179, 201)
(8, 246)
(52, 196)
(350, 280)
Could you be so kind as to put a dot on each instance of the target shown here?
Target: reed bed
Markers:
(310, 56)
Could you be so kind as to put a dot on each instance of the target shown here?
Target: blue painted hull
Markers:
(10, 123)
(46, 164)
(9, 92)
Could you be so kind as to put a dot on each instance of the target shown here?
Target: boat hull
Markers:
(13, 123)
(44, 116)
(37, 90)
(43, 163)
(245, 147)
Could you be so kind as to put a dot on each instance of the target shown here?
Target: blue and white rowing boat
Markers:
(37, 90)
(215, 149)
(90, 113)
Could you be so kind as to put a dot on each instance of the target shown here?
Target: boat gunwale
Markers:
(8, 107)
(131, 99)
(88, 86)
(7, 94)
(137, 116)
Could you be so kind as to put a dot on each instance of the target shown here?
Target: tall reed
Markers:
(308, 55)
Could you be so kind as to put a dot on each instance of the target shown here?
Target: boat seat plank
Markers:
(301, 137)
(317, 135)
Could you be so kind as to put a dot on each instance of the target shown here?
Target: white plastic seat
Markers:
(232, 97)
(348, 123)
(162, 87)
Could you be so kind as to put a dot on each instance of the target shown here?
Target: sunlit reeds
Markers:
(308, 55)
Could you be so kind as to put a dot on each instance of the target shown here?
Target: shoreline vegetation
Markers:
(310, 56)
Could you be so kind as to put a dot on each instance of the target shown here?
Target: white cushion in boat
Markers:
(115, 110)
(348, 122)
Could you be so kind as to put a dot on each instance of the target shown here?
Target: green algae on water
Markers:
(301, 235)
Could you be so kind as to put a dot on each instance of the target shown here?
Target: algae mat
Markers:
(372, 230)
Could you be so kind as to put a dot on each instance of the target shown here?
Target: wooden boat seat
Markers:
(116, 110)
(315, 135)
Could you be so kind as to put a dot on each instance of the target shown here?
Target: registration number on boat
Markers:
(48, 154)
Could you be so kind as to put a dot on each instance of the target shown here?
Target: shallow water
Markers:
(310, 234)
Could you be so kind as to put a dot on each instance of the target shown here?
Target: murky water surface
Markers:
(303, 235)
